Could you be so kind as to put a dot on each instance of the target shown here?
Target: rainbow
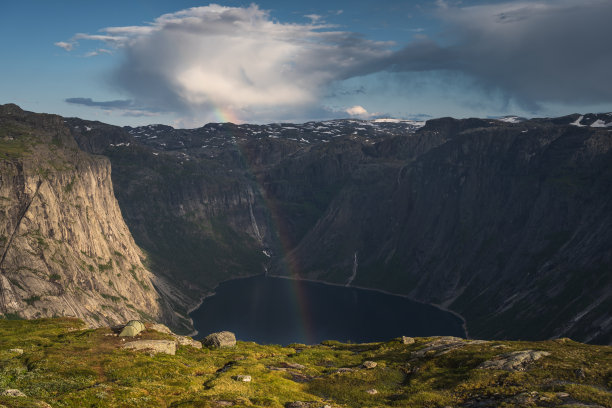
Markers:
(300, 302)
(225, 115)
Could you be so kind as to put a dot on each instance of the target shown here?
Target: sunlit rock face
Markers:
(66, 250)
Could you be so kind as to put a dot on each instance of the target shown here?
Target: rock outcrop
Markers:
(64, 247)
(515, 361)
(153, 346)
(220, 339)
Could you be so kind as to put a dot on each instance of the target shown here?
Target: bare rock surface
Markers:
(180, 340)
(65, 249)
(11, 392)
(515, 361)
(220, 339)
(443, 345)
(407, 340)
(369, 364)
(155, 346)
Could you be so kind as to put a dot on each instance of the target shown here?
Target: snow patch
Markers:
(600, 124)
(387, 120)
(577, 122)
(510, 119)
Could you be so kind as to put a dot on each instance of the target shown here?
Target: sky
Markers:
(186, 63)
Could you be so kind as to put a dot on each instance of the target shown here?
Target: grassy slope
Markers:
(68, 366)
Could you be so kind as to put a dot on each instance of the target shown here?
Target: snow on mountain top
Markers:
(404, 121)
(577, 122)
(600, 124)
(510, 119)
(387, 120)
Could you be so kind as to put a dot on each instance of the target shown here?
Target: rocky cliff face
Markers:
(65, 249)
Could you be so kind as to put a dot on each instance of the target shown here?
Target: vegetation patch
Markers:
(66, 365)
(106, 266)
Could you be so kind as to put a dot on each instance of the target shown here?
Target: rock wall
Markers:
(65, 248)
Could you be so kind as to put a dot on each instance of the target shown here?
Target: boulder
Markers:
(407, 340)
(296, 404)
(372, 391)
(187, 341)
(12, 393)
(16, 350)
(155, 346)
(180, 340)
(369, 364)
(220, 339)
(243, 378)
(162, 328)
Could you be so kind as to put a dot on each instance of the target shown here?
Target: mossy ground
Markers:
(67, 365)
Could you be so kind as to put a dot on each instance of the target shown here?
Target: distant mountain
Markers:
(505, 221)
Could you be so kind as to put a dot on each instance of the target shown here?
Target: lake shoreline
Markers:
(382, 291)
(385, 292)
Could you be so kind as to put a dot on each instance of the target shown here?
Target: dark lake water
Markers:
(283, 311)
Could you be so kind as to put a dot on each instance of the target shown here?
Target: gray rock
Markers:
(369, 364)
(515, 361)
(407, 340)
(11, 392)
(295, 366)
(243, 378)
(180, 340)
(296, 404)
(372, 391)
(16, 350)
(220, 339)
(162, 328)
(187, 341)
(155, 346)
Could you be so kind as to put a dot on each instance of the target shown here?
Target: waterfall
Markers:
(354, 274)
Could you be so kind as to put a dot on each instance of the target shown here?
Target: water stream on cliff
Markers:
(282, 311)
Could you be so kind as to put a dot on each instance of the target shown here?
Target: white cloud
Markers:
(314, 17)
(235, 59)
(68, 46)
(98, 52)
(357, 111)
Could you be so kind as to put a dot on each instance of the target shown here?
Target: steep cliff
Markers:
(65, 249)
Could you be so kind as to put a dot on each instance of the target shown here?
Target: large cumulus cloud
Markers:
(235, 59)
(241, 60)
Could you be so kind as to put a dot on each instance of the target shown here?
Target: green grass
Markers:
(68, 365)
(105, 267)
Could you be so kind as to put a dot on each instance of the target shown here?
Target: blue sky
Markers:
(186, 63)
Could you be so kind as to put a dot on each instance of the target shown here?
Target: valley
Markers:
(506, 222)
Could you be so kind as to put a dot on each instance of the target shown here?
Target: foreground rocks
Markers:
(12, 393)
(515, 361)
(180, 340)
(154, 346)
(220, 339)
